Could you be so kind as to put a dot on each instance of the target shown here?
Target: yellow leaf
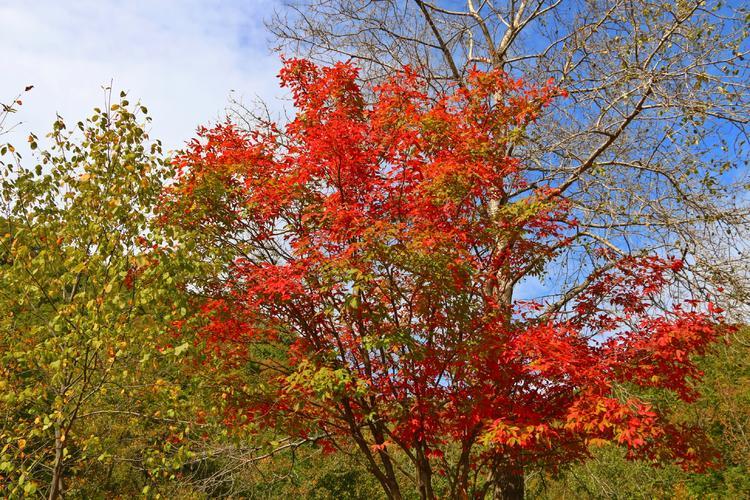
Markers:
(597, 442)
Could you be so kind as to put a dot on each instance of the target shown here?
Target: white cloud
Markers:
(180, 58)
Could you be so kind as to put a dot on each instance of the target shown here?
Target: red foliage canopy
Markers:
(378, 244)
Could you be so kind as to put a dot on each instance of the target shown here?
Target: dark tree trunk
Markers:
(510, 485)
(424, 471)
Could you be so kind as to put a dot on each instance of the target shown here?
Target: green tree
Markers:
(85, 297)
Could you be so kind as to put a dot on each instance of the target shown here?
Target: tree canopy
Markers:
(375, 244)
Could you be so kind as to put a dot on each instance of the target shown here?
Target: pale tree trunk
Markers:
(508, 483)
(56, 486)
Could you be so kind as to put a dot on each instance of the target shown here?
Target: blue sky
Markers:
(181, 58)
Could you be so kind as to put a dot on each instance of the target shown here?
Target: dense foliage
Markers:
(325, 309)
(376, 248)
(88, 382)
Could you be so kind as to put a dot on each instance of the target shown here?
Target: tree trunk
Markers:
(509, 485)
(509, 482)
(56, 488)
(424, 475)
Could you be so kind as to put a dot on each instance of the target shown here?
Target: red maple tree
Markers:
(378, 246)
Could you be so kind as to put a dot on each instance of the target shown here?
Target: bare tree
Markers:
(651, 146)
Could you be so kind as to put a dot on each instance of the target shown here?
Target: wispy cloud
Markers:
(181, 58)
